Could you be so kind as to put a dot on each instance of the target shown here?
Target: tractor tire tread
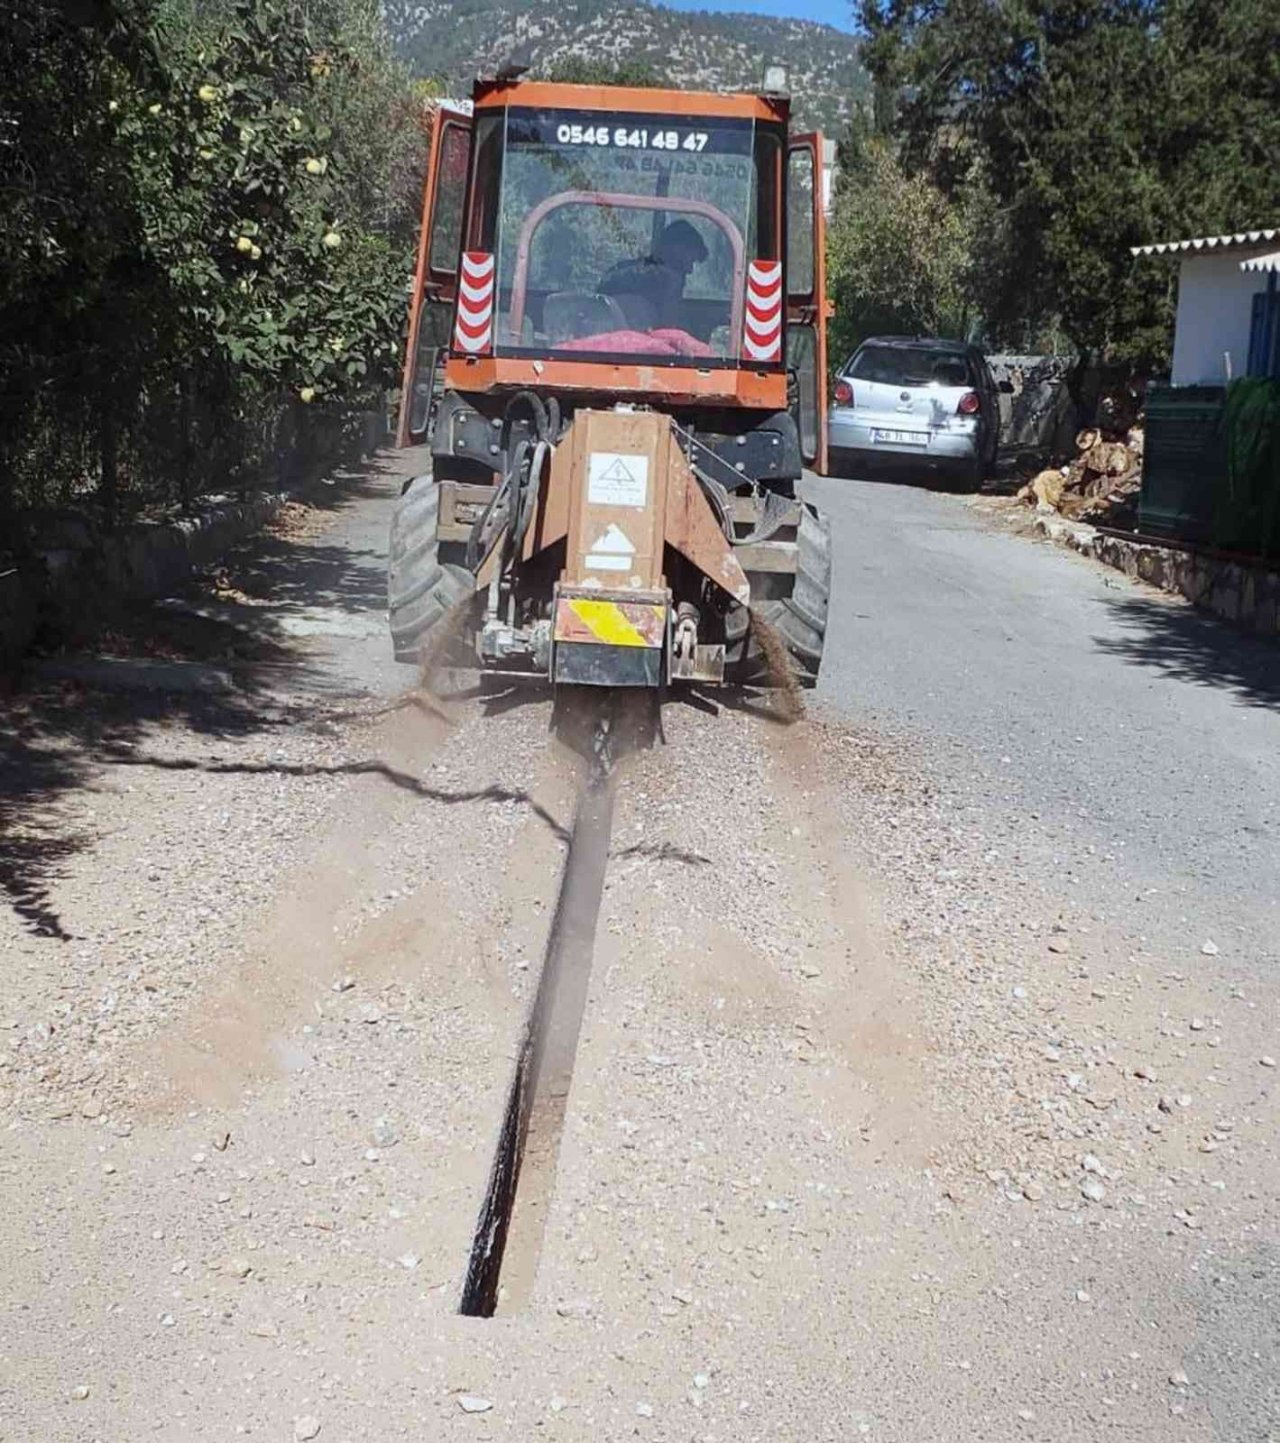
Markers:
(800, 620)
(421, 590)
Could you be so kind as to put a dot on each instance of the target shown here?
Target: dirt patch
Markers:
(785, 698)
(297, 521)
(392, 884)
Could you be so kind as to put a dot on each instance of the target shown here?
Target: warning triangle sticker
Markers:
(614, 542)
(618, 470)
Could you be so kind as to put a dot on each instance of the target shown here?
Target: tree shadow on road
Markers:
(55, 739)
(393, 776)
(248, 599)
(225, 626)
(1186, 645)
(296, 571)
(404, 781)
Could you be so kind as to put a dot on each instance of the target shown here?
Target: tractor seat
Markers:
(640, 312)
(575, 315)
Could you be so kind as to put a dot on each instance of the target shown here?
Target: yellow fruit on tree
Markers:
(244, 245)
(307, 395)
(208, 94)
(332, 240)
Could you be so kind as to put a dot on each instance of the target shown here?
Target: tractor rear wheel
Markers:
(797, 622)
(422, 590)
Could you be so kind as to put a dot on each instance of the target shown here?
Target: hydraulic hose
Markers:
(528, 495)
(477, 549)
(518, 487)
(541, 418)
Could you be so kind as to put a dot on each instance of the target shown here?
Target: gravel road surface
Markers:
(926, 1085)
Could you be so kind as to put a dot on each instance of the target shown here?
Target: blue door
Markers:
(1264, 331)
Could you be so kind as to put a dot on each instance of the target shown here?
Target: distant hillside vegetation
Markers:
(454, 39)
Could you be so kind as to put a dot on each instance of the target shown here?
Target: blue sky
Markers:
(832, 12)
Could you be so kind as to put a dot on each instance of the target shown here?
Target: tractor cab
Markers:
(635, 243)
(617, 356)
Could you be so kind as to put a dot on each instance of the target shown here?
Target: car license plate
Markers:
(902, 438)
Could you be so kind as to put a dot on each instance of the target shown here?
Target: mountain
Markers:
(688, 50)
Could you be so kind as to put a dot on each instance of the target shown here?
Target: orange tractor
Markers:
(617, 354)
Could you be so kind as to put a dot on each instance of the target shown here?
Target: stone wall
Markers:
(62, 583)
(81, 567)
(21, 588)
(1244, 594)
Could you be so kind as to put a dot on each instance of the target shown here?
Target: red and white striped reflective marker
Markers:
(473, 329)
(762, 324)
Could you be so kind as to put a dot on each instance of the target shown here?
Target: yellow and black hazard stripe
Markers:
(600, 622)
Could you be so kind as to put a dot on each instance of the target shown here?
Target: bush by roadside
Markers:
(211, 212)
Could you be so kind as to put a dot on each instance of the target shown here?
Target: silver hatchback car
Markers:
(914, 398)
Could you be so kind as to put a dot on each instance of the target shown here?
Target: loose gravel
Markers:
(878, 1126)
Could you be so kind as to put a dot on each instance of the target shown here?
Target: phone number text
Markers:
(624, 137)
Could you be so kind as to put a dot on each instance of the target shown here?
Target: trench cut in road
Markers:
(508, 1238)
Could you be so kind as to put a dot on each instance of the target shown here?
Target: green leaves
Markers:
(199, 203)
(897, 252)
(1247, 510)
(1074, 129)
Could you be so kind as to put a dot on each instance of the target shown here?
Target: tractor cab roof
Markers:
(631, 100)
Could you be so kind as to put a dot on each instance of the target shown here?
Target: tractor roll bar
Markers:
(520, 285)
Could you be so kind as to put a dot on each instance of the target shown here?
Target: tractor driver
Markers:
(650, 289)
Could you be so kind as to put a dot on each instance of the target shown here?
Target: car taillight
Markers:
(970, 404)
(844, 393)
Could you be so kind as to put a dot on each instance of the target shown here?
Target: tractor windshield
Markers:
(624, 235)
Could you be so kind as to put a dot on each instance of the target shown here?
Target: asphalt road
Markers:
(1131, 742)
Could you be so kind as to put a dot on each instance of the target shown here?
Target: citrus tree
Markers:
(259, 172)
(217, 201)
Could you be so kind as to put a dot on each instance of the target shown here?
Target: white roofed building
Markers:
(1228, 320)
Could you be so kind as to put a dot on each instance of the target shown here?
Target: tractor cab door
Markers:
(807, 294)
(435, 283)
